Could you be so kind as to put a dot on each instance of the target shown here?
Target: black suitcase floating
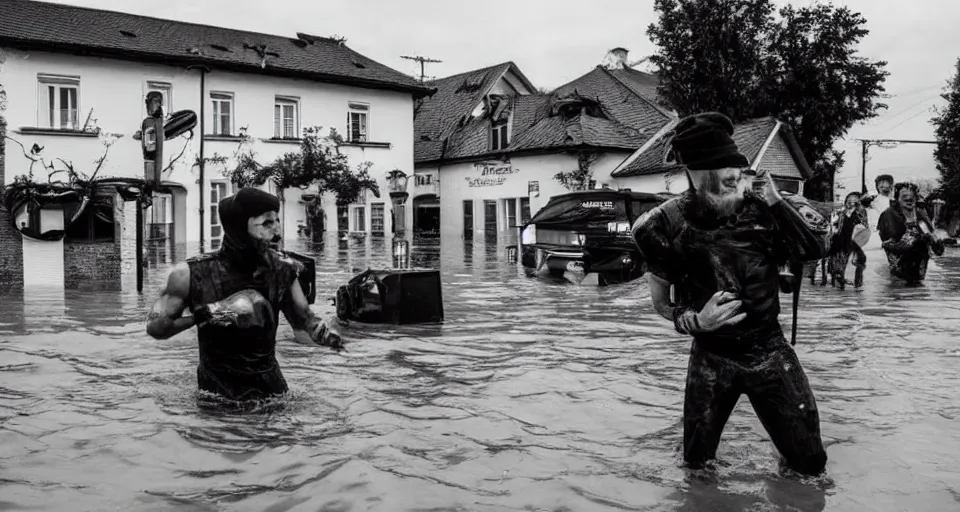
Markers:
(395, 296)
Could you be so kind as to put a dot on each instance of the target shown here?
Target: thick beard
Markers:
(724, 201)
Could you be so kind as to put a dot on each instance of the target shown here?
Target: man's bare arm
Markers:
(307, 328)
(166, 317)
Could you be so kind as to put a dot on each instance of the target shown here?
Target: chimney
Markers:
(616, 59)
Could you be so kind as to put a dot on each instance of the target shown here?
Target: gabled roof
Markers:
(620, 117)
(52, 27)
(539, 122)
(633, 91)
(753, 137)
(455, 98)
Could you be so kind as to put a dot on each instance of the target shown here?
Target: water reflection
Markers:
(530, 396)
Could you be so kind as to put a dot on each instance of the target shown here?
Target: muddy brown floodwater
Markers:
(532, 396)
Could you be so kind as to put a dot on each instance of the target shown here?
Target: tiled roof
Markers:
(749, 136)
(445, 128)
(456, 97)
(58, 27)
(536, 125)
(625, 104)
(644, 84)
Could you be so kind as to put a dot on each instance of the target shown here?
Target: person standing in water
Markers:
(842, 244)
(721, 245)
(878, 203)
(907, 235)
(235, 296)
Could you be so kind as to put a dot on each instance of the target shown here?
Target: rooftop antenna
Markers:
(421, 60)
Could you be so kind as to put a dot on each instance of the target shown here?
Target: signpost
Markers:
(151, 142)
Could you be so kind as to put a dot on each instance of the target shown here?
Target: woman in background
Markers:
(848, 221)
(907, 235)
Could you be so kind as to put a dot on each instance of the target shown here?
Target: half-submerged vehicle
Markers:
(585, 235)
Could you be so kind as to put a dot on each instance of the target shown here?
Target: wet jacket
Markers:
(906, 249)
(700, 253)
(240, 364)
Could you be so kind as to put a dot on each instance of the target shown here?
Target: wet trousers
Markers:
(777, 387)
(242, 387)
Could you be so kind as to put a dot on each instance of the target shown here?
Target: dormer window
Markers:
(498, 136)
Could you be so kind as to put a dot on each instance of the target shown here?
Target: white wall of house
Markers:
(672, 183)
(112, 92)
(502, 183)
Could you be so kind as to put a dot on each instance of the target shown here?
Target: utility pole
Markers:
(421, 60)
(865, 145)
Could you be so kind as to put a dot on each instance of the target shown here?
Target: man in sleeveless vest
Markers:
(721, 245)
(235, 296)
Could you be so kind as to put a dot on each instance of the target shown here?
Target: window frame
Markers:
(354, 209)
(59, 82)
(215, 211)
(279, 102)
(382, 208)
(499, 136)
(360, 108)
(217, 98)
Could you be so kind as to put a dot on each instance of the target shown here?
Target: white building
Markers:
(68, 71)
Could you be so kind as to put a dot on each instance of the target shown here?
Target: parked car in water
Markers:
(586, 234)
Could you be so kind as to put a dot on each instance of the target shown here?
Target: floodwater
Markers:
(532, 396)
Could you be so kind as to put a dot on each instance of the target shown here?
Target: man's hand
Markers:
(244, 309)
(722, 309)
(767, 188)
(307, 328)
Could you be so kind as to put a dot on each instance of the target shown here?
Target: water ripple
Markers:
(531, 396)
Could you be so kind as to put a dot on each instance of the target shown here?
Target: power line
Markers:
(865, 147)
(422, 60)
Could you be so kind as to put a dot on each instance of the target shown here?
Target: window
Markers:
(524, 210)
(164, 88)
(286, 118)
(421, 180)
(511, 209)
(468, 219)
(218, 190)
(791, 186)
(95, 223)
(59, 102)
(490, 216)
(222, 113)
(357, 122)
(376, 218)
(358, 218)
(498, 136)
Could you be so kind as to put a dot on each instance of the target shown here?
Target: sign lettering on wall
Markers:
(492, 174)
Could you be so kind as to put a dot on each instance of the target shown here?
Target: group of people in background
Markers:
(905, 231)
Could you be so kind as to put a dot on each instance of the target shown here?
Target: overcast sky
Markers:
(553, 42)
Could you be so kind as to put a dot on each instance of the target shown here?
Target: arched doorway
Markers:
(426, 215)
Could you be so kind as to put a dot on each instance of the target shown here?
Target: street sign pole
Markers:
(151, 141)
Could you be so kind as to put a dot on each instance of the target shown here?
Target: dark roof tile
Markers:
(31, 24)
(455, 98)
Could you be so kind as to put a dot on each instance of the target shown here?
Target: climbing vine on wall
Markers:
(579, 178)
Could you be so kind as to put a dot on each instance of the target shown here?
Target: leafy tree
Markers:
(947, 152)
(738, 58)
(318, 163)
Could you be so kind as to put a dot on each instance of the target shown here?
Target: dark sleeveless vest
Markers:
(240, 364)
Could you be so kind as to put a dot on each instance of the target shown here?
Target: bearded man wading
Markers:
(721, 245)
(235, 296)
